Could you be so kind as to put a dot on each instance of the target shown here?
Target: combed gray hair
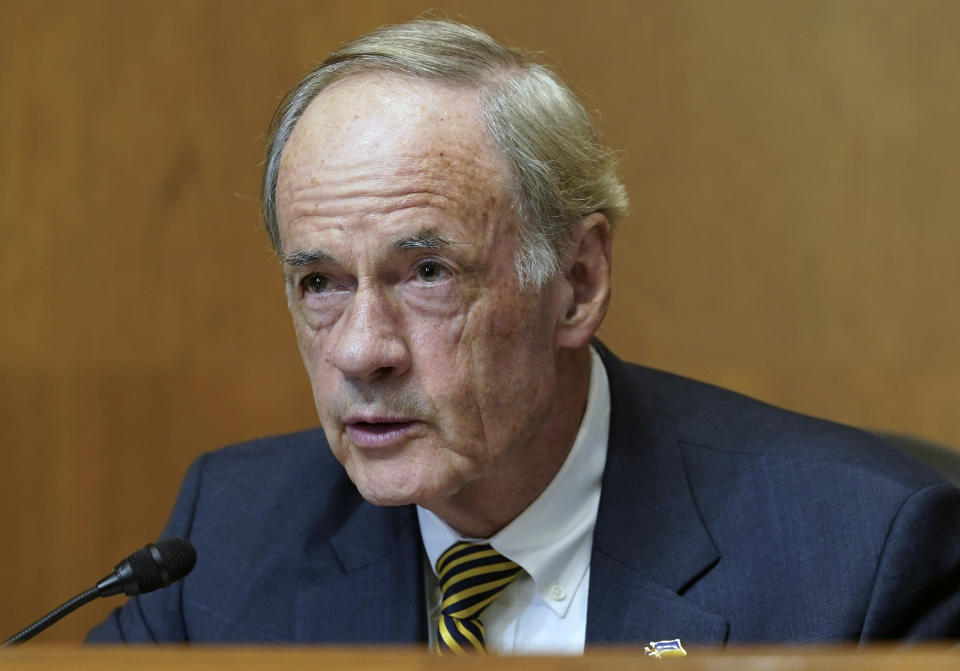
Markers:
(563, 172)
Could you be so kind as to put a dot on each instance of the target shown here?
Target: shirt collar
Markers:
(552, 538)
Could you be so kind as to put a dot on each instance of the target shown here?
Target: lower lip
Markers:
(384, 434)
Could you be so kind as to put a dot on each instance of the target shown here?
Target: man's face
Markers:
(430, 367)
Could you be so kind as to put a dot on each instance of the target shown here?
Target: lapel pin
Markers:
(661, 649)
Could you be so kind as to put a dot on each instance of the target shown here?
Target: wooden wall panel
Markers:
(793, 169)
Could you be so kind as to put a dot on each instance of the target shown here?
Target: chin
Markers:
(393, 491)
(385, 490)
(380, 496)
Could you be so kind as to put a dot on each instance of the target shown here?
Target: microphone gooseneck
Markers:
(56, 614)
(146, 570)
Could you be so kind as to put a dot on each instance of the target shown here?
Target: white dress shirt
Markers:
(544, 611)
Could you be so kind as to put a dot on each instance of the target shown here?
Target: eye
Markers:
(315, 284)
(431, 271)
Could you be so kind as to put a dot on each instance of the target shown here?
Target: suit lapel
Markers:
(372, 590)
(627, 608)
(650, 543)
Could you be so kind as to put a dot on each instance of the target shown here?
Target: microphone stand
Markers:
(153, 567)
(54, 616)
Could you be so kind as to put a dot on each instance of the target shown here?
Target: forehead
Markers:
(393, 136)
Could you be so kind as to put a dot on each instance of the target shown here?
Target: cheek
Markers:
(514, 327)
(315, 361)
(502, 361)
(514, 347)
(308, 341)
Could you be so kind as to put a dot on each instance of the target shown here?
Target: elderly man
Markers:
(499, 480)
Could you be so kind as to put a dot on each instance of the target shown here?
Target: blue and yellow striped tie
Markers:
(471, 576)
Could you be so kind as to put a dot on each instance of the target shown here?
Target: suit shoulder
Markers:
(303, 449)
(275, 474)
(708, 417)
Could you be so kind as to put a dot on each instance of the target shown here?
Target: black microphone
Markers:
(146, 570)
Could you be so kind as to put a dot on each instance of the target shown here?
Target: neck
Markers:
(485, 506)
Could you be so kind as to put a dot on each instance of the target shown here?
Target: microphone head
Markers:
(157, 566)
(178, 555)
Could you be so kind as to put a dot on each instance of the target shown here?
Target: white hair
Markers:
(563, 172)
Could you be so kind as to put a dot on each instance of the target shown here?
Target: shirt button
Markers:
(557, 593)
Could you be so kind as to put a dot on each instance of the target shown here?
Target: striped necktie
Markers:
(471, 576)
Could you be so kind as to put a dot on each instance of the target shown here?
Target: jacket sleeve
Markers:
(916, 593)
(158, 616)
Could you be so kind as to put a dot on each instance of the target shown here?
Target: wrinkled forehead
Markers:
(394, 119)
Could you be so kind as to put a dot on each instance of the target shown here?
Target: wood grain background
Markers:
(793, 168)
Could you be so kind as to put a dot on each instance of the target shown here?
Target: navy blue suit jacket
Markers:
(721, 519)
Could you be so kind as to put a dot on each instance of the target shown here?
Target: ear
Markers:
(586, 290)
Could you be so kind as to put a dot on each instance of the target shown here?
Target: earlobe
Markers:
(586, 283)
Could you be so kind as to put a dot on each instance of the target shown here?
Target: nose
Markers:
(368, 343)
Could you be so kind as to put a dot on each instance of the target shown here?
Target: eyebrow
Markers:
(425, 239)
(306, 257)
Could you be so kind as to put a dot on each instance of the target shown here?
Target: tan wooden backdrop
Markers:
(794, 173)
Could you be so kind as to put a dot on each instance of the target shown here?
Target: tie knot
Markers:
(470, 577)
